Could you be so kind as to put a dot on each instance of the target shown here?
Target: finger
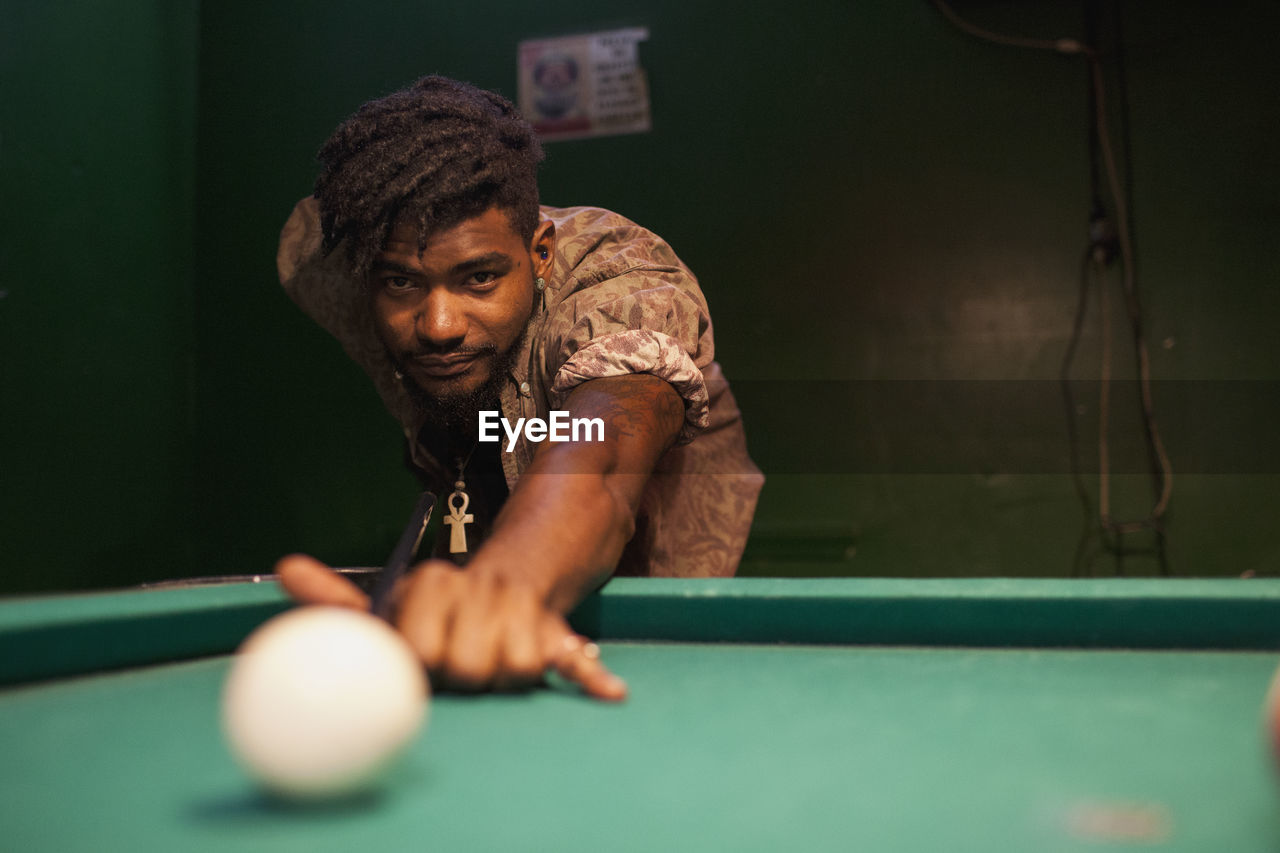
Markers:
(427, 602)
(310, 581)
(472, 652)
(579, 661)
(522, 661)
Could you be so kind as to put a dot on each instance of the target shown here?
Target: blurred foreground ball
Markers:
(320, 700)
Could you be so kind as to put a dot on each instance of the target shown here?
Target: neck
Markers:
(449, 442)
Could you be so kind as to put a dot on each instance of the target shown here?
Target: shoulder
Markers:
(584, 219)
(594, 243)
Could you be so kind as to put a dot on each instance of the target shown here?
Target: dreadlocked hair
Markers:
(436, 153)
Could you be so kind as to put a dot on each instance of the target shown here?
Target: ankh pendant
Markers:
(457, 521)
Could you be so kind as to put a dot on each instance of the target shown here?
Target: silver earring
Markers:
(399, 375)
(539, 284)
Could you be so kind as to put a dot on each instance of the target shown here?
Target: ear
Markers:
(542, 248)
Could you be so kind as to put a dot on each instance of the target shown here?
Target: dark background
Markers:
(887, 217)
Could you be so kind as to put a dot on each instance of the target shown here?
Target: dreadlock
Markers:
(437, 153)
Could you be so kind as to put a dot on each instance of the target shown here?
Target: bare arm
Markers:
(500, 623)
(568, 519)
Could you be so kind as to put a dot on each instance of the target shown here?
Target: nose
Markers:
(440, 321)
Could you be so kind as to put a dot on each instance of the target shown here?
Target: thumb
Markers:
(310, 581)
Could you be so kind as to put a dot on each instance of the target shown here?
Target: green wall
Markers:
(887, 217)
(97, 121)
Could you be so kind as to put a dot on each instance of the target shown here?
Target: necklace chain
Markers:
(460, 483)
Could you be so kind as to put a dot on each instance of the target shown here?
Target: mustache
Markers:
(434, 352)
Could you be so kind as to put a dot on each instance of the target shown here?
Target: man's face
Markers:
(451, 315)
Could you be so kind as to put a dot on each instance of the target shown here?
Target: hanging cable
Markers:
(1107, 238)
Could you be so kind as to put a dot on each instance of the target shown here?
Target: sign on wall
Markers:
(584, 85)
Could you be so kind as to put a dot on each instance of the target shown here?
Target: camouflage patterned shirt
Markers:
(618, 302)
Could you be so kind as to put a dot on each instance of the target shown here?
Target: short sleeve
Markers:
(640, 322)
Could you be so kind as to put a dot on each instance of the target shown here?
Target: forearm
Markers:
(563, 555)
(567, 521)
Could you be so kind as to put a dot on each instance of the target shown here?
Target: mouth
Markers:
(443, 367)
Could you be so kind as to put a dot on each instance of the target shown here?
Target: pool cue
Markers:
(400, 559)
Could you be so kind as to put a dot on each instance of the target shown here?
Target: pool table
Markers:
(836, 714)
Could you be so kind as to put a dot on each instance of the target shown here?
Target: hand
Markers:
(473, 631)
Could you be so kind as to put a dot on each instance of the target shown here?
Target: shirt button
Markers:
(524, 389)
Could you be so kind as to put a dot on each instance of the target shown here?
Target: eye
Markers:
(397, 284)
(482, 279)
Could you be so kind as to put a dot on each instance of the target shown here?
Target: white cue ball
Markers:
(320, 700)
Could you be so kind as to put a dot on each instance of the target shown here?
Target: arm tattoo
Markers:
(639, 406)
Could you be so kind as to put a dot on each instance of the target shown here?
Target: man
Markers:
(426, 254)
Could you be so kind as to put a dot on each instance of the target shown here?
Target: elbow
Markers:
(622, 504)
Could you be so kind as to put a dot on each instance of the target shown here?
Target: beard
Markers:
(459, 411)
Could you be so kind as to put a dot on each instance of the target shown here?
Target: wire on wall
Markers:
(1109, 239)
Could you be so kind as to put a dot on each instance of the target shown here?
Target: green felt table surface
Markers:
(723, 745)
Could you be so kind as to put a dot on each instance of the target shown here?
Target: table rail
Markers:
(56, 636)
